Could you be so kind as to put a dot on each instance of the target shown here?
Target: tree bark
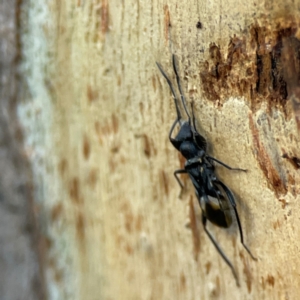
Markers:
(19, 265)
(96, 118)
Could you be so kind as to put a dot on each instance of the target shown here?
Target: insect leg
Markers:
(224, 165)
(172, 129)
(172, 90)
(181, 171)
(219, 250)
(232, 202)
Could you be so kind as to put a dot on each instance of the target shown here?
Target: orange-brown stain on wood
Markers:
(265, 162)
(92, 95)
(247, 272)
(62, 166)
(294, 186)
(74, 191)
(208, 267)
(194, 228)
(80, 228)
(164, 182)
(56, 212)
(249, 278)
(154, 83)
(115, 149)
(104, 16)
(223, 77)
(277, 224)
(129, 221)
(147, 148)
(119, 80)
(129, 249)
(98, 132)
(270, 280)
(283, 203)
(101, 27)
(215, 291)
(106, 129)
(86, 148)
(167, 22)
(128, 216)
(147, 145)
(139, 223)
(92, 178)
(182, 286)
(292, 179)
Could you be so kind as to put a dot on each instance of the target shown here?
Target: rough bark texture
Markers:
(19, 270)
(96, 119)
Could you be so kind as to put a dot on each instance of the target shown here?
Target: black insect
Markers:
(215, 198)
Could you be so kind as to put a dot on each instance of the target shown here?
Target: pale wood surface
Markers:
(96, 119)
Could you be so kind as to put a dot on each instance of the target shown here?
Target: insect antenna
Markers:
(199, 139)
(172, 90)
(179, 87)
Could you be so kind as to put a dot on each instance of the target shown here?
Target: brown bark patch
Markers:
(247, 272)
(270, 280)
(262, 65)
(86, 148)
(182, 286)
(74, 191)
(208, 267)
(147, 148)
(104, 16)
(80, 229)
(92, 94)
(167, 22)
(265, 162)
(56, 212)
(164, 182)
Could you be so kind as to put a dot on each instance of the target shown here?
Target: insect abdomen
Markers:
(217, 214)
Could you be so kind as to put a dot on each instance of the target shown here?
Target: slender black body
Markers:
(215, 199)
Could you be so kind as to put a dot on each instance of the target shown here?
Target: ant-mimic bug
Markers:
(215, 198)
